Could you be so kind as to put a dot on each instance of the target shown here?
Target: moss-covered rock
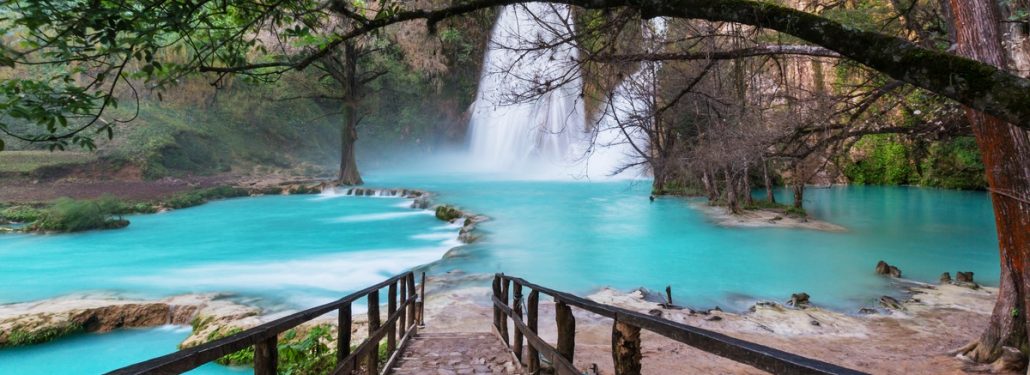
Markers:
(447, 213)
(22, 335)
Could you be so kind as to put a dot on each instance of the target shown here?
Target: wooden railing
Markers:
(264, 338)
(625, 335)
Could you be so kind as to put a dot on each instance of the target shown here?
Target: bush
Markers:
(20, 214)
(69, 215)
(298, 355)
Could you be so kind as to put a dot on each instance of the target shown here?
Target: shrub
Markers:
(20, 214)
(69, 215)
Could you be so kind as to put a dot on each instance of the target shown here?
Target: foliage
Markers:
(201, 196)
(954, 164)
(19, 336)
(69, 215)
(298, 355)
(887, 162)
(28, 161)
(309, 354)
(20, 214)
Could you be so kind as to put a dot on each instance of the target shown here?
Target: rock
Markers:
(891, 303)
(421, 203)
(655, 313)
(945, 278)
(867, 311)
(799, 300)
(882, 268)
(964, 277)
(815, 323)
(447, 213)
(713, 318)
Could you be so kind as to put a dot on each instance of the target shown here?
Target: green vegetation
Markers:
(28, 161)
(69, 215)
(888, 160)
(201, 196)
(20, 214)
(298, 354)
(447, 213)
(19, 336)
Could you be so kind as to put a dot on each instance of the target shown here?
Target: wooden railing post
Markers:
(532, 311)
(344, 323)
(402, 320)
(373, 326)
(517, 306)
(422, 301)
(626, 348)
(411, 293)
(505, 284)
(391, 330)
(496, 287)
(566, 330)
(266, 356)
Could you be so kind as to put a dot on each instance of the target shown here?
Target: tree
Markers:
(1006, 155)
(111, 41)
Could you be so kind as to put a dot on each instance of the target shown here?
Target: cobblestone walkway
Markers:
(454, 354)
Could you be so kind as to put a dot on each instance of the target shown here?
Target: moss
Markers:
(201, 196)
(20, 214)
(20, 336)
(447, 213)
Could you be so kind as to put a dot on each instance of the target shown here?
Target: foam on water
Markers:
(380, 217)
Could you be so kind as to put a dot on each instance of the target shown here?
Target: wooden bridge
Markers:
(501, 352)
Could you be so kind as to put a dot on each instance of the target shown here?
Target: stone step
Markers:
(456, 353)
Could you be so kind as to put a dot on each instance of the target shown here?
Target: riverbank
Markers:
(763, 218)
(915, 338)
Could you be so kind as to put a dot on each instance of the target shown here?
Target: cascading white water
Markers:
(516, 128)
(512, 124)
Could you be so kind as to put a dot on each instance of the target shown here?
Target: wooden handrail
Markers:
(264, 338)
(626, 337)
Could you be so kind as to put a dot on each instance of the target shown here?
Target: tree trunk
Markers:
(1006, 157)
(731, 193)
(746, 183)
(769, 196)
(349, 174)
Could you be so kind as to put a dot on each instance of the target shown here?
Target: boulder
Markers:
(945, 278)
(882, 268)
(447, 213)
(799, 300)
(891, 303)
(964, 277)
(421, 203)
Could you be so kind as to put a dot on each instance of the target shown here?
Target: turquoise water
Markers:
(579, 236)
(293, 251)
(287, 252)
(99, 353)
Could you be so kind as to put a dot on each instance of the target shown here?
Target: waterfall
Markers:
(513, 126)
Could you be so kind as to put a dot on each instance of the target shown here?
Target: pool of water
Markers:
(288, 252)
(99, 353)
(291, 251)
(578, 236)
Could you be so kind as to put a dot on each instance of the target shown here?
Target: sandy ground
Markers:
(763, 218)
(917, 340)
(29, 190)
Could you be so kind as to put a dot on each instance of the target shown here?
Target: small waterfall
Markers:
(513, 125)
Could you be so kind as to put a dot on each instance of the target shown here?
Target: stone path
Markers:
(456, 353)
